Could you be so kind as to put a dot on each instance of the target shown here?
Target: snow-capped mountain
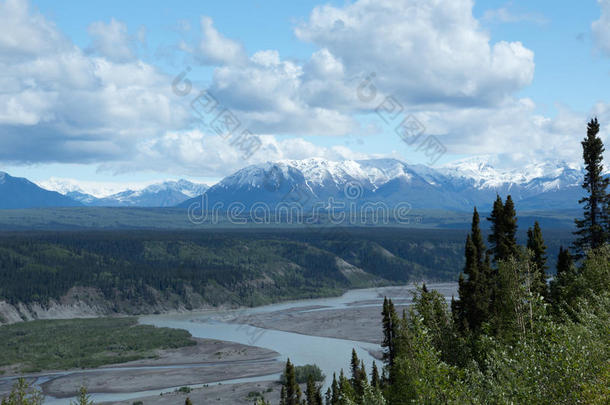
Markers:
(17, 192)
(311, 182)
(457, 186)
(164, 194)
(484, 175)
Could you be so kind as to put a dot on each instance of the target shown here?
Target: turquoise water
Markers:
(330, 354)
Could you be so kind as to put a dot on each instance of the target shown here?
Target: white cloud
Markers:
(60, 105)
(514, 131)
(422, 51)
(112, 40)
(194, 152)
(215, 49)
(27, 34)
(601, 28)
(269, 95)
(427, 54)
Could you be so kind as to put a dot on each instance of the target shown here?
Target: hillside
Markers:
(91, 273)
(16, 192)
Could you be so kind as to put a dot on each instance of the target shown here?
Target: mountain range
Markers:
(21, 193)
(457, 186)
(17, 192)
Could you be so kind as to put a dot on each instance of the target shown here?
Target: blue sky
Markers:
(88, 84)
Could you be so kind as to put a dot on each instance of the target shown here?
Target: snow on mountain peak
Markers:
(482, 170)
(114, 194)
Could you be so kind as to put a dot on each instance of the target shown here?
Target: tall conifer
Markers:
(502, 239)
(594, 227)
(566, 273)
(293, 391)
(535, 243)
(472, 308)
(375, 381)
(390, 324)
(496, 235)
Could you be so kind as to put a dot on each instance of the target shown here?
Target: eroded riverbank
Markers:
(246, 342)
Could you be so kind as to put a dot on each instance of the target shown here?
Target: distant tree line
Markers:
(246, 268)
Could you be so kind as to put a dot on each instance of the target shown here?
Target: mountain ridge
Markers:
(456, 186)
(19, 192)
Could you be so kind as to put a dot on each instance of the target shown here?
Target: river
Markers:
(330, 354)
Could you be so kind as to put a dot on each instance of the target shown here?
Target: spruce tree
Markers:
(390, 324)
(363, 378)
(536, 245)
(85, 399)
(318, 395)
(472, 308)
(502, 239)
(355, 367)
(312, 392)
(356, 379)
(375, 381)
(188, 401)
(335, 391)
(566, 274)
(293, 391)
(346, 390)
(328, 397)
(593, 228)
(496, 236)
(510, 229)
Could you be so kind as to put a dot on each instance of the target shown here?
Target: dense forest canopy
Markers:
(224, 266)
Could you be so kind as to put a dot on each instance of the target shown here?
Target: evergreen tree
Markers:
(346, 390)
(593, 228)
(375, 381)
(328, 397)
(283, 396)
(363, 377)
(390, 323)
(562, 286)
(536, 245)
(510, 229)
(472, 308)
(188, 401)
(357, 377)
(319, 395)
(293, 391)
(504, 248)
(23, 393)
(83, 398)
(335, 391)
(312, 392)
(496, 236)
(355, 367)
(502, 239)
